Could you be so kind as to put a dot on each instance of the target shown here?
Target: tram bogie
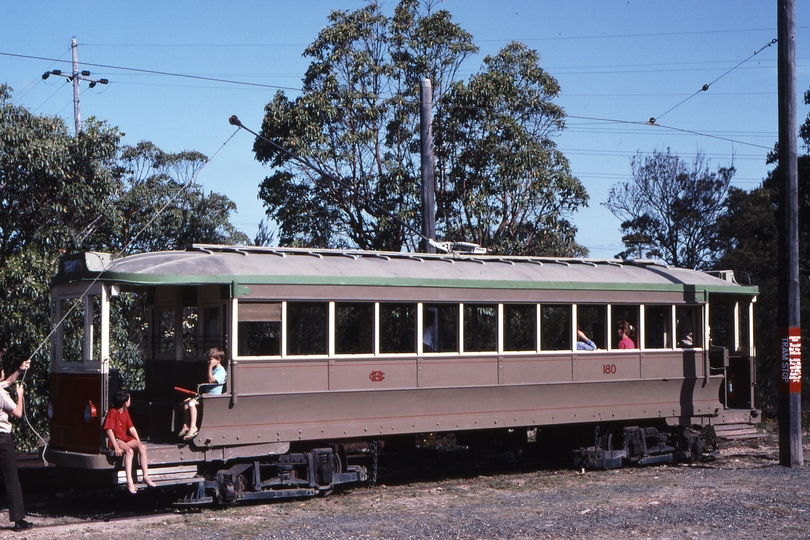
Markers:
(328, 349)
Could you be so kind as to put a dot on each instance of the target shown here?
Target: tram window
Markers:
(687, 327)
(745, 320)
(592, 320)
(190, 330)
(555, 328)
(397, 328)
(721, 324)
(520, 327)
(730, 329)
(658, 327)
(440, 328)
(95, 302)
(628, 314)
(165, 334)
(480, 327)
(354, 328)
(306, 328)
(212, 333)
(72, 309)
(259, 328)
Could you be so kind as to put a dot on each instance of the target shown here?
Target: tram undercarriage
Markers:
(289, 476)
(633, 445)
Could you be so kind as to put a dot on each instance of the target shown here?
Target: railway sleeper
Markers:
(635, 445)
(289, 476)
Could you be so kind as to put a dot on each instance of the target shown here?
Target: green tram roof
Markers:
(229, 265)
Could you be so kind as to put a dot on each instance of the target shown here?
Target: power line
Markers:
(154, 72)
(680, 130)
(705, 87)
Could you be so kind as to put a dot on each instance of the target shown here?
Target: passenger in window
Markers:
(124, 440)
(583, 342)
(626, 335)
(429, 336)
(214, 385)
(685, 339)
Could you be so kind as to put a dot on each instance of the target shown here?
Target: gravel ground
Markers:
(745, 494)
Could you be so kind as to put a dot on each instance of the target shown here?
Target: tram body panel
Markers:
(352, 415)
(76, 394)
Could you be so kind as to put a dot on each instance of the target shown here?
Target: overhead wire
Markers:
(705, 87)
(155, 72)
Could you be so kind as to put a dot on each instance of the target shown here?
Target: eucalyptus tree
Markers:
(502, 182)
(358, 119)
(161, 206)
(670, 208)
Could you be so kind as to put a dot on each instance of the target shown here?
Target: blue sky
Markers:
(618, 64)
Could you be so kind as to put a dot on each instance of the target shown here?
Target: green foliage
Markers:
(749, 230)
(500, 180)
(748, 234)
(670, 209)
(502, 183)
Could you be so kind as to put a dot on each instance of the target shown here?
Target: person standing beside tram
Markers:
(8, 453)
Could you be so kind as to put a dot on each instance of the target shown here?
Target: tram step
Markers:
(165, 475)
(735, 432)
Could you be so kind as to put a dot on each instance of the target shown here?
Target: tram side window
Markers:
(555, 328)
(259, 328)
(628, 314)
(592, 320)
(520, 327)
(687, 327)
(745, 319)
(728, 329)
(306, 328)
(190, 330)
(212, 334)
(397, 328)
(354, 328)
(165, 334)
(440, 328)
(72, 329)
(658, 327)
(480, 327)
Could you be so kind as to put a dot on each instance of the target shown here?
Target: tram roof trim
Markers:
(215, 264)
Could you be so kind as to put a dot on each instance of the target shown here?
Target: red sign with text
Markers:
(790, 369)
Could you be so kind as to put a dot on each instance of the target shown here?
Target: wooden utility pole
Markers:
(428, 180)
(790, 336)
(77, 115)
(75, 76)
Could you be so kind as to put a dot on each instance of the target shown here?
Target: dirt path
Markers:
(745, 494)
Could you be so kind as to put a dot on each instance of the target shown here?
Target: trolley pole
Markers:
(75, 76)
(790, 337)
(428, 180)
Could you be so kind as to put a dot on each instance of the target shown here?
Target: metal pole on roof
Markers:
(790, 336)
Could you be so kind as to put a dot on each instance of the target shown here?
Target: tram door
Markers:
(732, 348)
(80, 382)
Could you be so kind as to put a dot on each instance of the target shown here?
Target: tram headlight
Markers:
(90, 412)
(50, 410)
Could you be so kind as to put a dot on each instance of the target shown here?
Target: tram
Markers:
(330, 349)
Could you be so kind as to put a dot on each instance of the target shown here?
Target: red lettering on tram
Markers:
(376, 376)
